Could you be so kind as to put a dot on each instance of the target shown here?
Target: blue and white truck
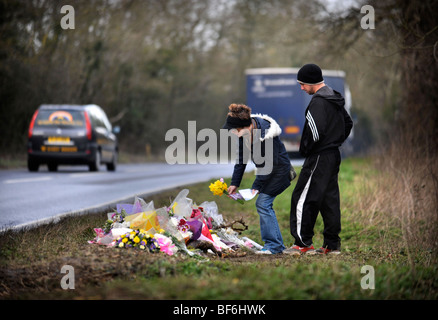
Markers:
(276, 92)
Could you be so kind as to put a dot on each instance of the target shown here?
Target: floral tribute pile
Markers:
(182, 227)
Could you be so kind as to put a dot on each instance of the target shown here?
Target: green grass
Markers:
(30, 262)
(315, 279)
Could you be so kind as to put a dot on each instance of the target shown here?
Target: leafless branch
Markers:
(231, 225)
(119, 116)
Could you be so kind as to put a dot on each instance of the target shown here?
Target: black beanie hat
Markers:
(234, 122)
(310, 74)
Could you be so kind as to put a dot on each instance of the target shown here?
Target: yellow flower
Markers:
(122, 236)
(218, 187)
(142, 247)
(136, 239)
(162, 231)
(125, 240)
(121, 245)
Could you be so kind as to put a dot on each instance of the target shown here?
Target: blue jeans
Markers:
(269, 228)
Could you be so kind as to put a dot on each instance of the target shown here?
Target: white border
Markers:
(328, 73)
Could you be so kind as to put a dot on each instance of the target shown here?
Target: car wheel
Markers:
(32, 165)
(111, 166)
(96, 164)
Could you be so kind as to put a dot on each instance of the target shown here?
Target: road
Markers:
(28, 199)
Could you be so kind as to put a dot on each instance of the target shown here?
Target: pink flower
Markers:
(99, 232)
(248, 244)
(166, 244)
(195, 213)
(167, 249)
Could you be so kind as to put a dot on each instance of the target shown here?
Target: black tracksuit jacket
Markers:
(327, 123)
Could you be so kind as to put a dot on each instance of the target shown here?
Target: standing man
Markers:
(326, 127)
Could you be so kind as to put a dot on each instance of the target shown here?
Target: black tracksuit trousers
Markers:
(316, 191)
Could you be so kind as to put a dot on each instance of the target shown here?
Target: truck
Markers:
(276, 92)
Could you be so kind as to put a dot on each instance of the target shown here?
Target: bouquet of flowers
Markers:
(115, 218)
(139, 239)
(219, 187)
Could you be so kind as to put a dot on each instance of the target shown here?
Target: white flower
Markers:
(174, 221)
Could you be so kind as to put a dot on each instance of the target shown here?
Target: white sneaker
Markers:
(264, 251)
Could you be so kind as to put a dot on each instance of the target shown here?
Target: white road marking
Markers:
(85, 174)
(27, 180)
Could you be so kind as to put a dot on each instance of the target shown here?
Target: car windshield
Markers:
(60, 118)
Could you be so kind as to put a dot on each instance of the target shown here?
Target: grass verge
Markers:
(31, 261)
